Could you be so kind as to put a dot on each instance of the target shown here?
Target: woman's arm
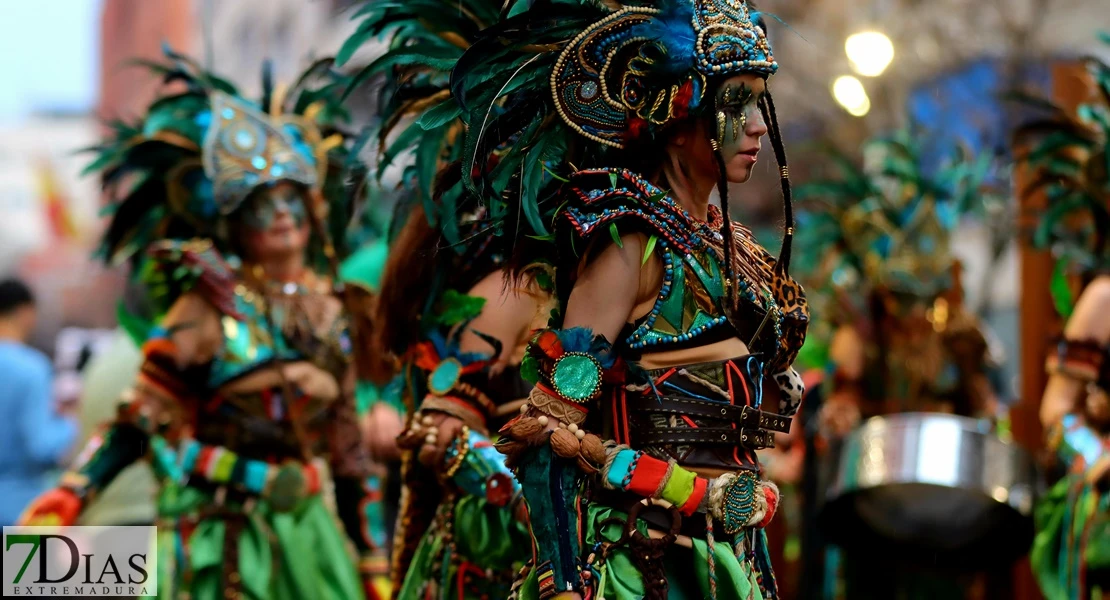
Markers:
(609, 288)
(189, 336)
(547, 449)
(507, 316)
(1089, 322)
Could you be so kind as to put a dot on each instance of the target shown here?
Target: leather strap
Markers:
(744, 416)
(752, 439)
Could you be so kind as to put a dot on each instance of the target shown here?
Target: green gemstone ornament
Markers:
(288, 488)
(577, 377)
(444, 377)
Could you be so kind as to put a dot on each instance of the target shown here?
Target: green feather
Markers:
(454, 307)
(648, 249)
(1062, 295)
(440, 115)
(613, 233)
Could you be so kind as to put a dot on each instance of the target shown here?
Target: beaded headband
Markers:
(644, 66)
(245, 149)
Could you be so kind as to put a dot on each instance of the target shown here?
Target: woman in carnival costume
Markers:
(244, 404)
(894, 331)
(456, 332)
(636, 451)
(1071, 553)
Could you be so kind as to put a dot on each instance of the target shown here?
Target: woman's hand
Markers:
(380, 429)
(434, 448)
(311, 380)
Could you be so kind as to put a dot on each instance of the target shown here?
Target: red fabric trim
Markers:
(647, 475)
(624, 416)
(159, 346)
(203, 458)
(550, 392)
(772, 506)
(616, 418)
(312, 478)
(665, 376)
(688, 508)
(464, 404)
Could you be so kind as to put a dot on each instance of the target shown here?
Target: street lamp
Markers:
(870, 52)
(849, 93)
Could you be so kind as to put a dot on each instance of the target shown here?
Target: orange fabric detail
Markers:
(688, 508)
(772, 505)
(549, 342)
(57, 507)
(312, 479)
(647, 474)
(159, 346)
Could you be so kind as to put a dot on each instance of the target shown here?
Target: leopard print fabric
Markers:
(791, 299)
(793, 388)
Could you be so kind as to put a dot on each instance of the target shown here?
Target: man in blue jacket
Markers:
(36, 437)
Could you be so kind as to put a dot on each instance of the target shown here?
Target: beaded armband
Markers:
(159, 372)
(1079, 359)
(1077, 444)
(735, 500)
(569, 367)
(476, 467)
(571, 364)
(196, 265)
(446, 390)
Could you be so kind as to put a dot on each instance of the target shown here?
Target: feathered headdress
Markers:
(197, 154)
(416, 114)
(558, 72)
(1070, 157)
(888, 224)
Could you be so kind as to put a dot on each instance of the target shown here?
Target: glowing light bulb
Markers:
(870, 52)
(849, 93)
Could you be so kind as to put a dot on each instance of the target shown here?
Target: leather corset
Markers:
(703, 416)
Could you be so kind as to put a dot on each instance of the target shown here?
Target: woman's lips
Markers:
(749, 154)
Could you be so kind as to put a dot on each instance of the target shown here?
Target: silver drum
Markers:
(931, 487)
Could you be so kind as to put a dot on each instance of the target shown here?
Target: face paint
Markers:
(263, 208)
(734, 106)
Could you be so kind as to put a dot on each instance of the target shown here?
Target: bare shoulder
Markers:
(505, 316)
(193, 324)
(192, 308)
(1091, 318)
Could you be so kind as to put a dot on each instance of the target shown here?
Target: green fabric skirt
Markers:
(1071, 552)
(733, 577)
(302, 554)
(472, 550)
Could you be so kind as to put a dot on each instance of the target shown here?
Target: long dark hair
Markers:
(405, 290)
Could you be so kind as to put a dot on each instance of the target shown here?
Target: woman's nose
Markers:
(282, 207)
(757, 127)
